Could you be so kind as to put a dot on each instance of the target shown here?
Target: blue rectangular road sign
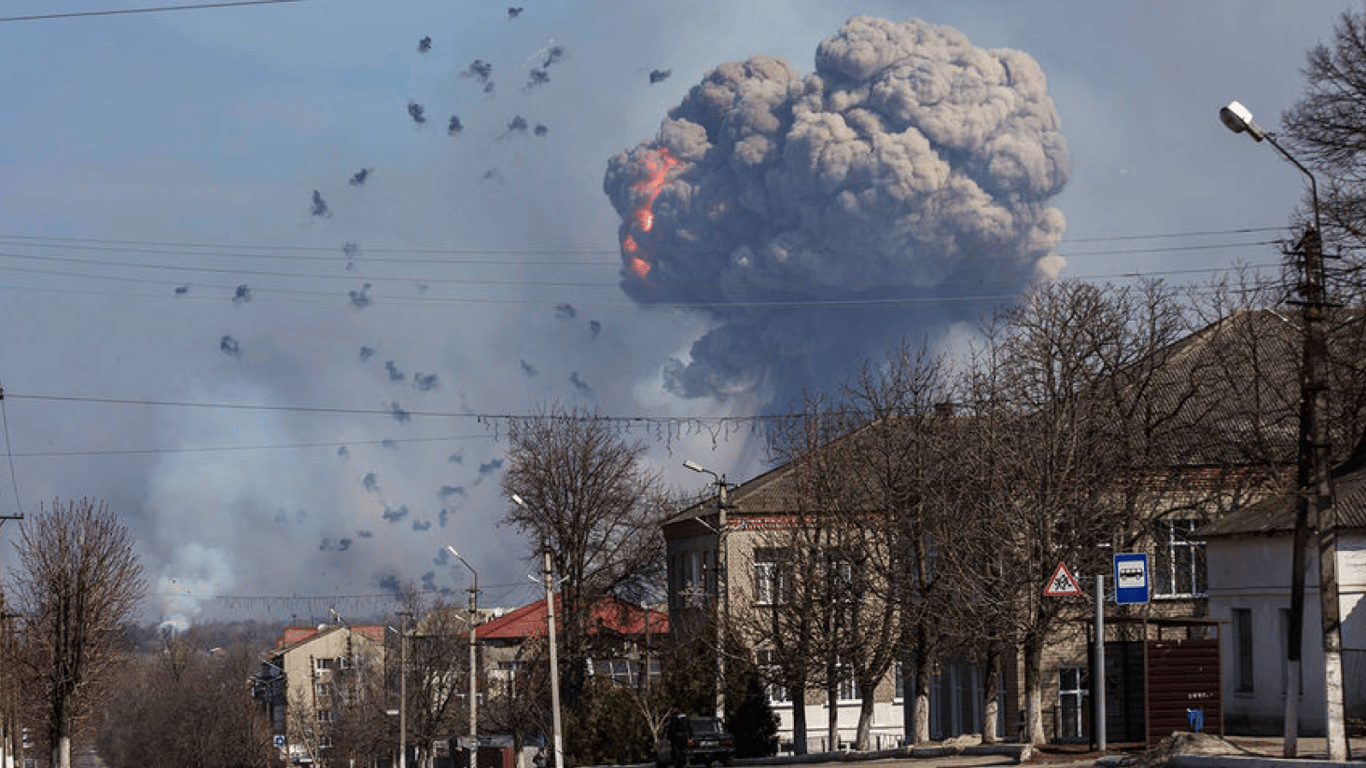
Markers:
(1131, 577)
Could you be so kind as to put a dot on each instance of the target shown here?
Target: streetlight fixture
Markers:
(474, 617)
(1313, 474)
(722, 582)
(550, 630)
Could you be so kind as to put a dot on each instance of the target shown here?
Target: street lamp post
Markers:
(403, 690)
(550, 631)
(722, 583)
(1313, 476)
(474, 617)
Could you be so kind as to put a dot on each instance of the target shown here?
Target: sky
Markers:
(273, 277)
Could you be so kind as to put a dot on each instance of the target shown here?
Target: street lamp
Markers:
(722, 582)
(474, 617)
(1313, 475)
(550, 629)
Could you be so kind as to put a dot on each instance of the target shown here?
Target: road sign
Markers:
(1131, 577)
(279, 741)
(1062, 583)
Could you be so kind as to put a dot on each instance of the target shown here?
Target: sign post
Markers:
(1062, 583)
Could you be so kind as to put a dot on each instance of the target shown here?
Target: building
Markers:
(315, 685)
(1250, 566)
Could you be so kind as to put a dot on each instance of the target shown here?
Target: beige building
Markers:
(312, 683)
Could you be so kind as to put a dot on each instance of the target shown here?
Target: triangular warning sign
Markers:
(1062, 583)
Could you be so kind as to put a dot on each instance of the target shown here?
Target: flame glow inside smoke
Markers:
(659, 163)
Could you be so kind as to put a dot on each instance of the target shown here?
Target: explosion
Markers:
(819, 220)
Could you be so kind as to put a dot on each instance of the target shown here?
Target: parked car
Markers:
(694, 741)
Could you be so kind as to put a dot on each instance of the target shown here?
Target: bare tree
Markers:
(588, 495)
(78, 585)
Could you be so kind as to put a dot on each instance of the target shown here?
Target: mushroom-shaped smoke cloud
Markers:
(822, 219)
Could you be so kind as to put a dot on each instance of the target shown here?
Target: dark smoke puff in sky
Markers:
(424, 45)
(659, 75)
(416, 112)
(514, 12)
(229, 346)
(909, 166)
(358, 179)
(454, 127)
(320, 206)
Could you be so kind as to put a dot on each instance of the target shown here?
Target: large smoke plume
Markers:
(820, 219)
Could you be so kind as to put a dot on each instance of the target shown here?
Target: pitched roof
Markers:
(610, 613)
(1276, 514)
(293, 637)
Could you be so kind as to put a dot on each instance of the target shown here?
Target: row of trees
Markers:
(930, 497)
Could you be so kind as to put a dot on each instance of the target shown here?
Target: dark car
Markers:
(694, 741)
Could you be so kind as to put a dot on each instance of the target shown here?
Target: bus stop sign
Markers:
(1131, 577)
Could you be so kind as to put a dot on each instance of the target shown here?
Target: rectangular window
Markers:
(770, 578)
(1073, 693)
(322, 690)
(1242, 650)
(324, 715)
(772, 673)
(848, 685)
(1178, 560)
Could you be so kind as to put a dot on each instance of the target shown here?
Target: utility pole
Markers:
(403, 689)
(1317, 483)
(554, 660)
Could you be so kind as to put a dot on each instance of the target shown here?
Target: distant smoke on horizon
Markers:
(821, 218)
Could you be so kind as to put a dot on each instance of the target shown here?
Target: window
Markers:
(1242, 650)
(324, 715)
(848, 685)
(770, 577)
(1073, 685)
(322, 690)
(1178, 560)
(773, 674)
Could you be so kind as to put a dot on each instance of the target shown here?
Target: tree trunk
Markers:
(61, 752)
(1034, 733)
(920, 717)
(832, 724)
(863, 736)
(799, 720)
(992, 695)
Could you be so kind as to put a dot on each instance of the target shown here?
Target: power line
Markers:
(234, 448)
(153, 9)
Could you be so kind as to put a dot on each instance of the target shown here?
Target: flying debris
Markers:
(389, 443)
(398, 413)
(342, 452)
(366, 353)
(565, 312)
(517, 124)
(480, 70)
(428, 579)
(358, 179)
(659, 75)
(594, 328)
(455, 127)
(527, 368)
(394, 373)
(424, 382)
(229, 346)
(490, 466)
(424, 45)
(343, 545)
(360, 299)
(541, 130)
(390, 584)
(363, 534)
(320, 206)
(580, 384)
(370, 482)
(394, 515)
(456, 458)
(534, 78)
(181, 290)
(422, 525)
(554, 54)
(241, 295)
(352, 252)
(443, 517)
(415, 111)
(492, 174)
(448, 491)
(909, 163)
(514, 12)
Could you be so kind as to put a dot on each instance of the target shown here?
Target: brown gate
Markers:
(1182, 679)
